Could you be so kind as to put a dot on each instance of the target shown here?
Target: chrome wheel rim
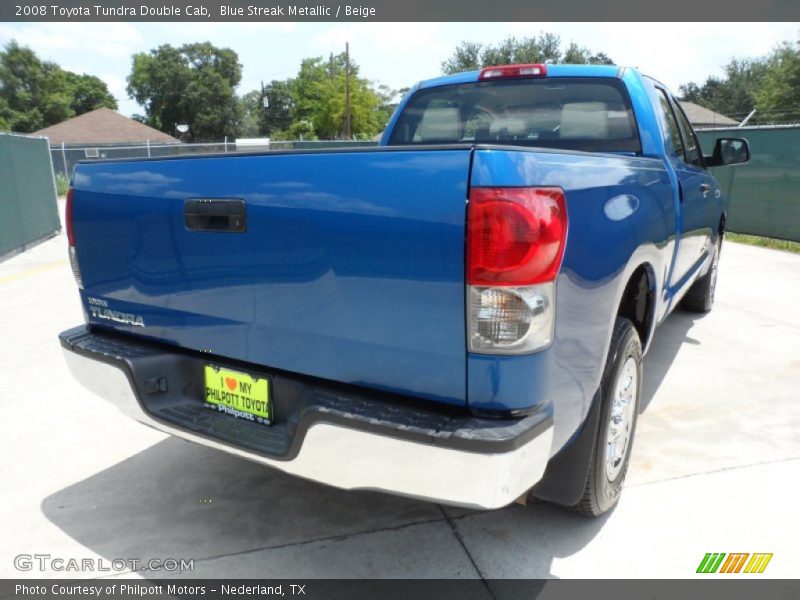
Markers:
(620, 424)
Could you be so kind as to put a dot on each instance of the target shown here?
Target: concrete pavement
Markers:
(715, 463)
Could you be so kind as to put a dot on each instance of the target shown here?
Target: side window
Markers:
(693, 154)
(672, 125)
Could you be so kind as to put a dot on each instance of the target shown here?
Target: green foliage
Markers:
(468, 56)
(389, 99)
(279, 135)
(250, 109)
(544, 48)
(4, 126)
(735, 94)
(36, 94)
(89, 93)
(192, 85)
(278, 115)
(765, 242)
(779, 93)
(578, 55)
(62, 184)
(260, 121)
(770, 84)
(318, 95)
(301, 130)
(311, 105)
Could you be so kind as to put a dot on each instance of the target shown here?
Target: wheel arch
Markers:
(638, 301)
(564, 478)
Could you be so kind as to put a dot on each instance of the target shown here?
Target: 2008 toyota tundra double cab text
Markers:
(459, 314)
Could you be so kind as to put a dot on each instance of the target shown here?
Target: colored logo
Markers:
(742, 562)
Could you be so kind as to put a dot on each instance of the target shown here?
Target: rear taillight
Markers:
(73, 257)
(515, 243)
(68, 217)
(515, 235)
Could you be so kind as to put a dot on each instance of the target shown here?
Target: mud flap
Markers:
(565, 477)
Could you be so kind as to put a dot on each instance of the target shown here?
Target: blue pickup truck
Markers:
(459, 314)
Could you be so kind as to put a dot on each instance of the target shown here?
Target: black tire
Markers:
(700, 297)
(606, 475)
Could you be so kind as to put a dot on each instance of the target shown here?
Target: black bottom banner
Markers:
(389, 589)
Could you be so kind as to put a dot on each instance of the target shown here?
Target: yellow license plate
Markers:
(238, 394)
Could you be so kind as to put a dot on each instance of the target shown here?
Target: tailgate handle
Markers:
(216, 214)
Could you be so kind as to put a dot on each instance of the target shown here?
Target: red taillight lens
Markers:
(68, 218)
(513, 71)
(515, 236)
(73, 255)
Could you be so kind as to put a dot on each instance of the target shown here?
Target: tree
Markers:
(389, 99)
(778, 96)
(250, 109)
(578, 55)
(36, 94)
(466, 57)
(272, 120)
(733, 95)
(301, 130)
(769, 84)
(192, 85)
(544, 48)
(89, 93)
(276, 117)
(311, 105)
(318, 94)
(4, 126)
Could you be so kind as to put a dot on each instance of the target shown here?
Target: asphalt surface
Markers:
(715, 464)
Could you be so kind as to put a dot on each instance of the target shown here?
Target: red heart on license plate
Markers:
(231, 383)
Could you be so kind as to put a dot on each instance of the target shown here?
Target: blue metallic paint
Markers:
(352, 267)
(600, 256)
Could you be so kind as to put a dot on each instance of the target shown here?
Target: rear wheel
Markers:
(620, 391)
(700, 297)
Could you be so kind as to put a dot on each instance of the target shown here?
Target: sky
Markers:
(394, 54)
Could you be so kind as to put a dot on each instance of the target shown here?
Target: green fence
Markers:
(28, 210)
(763, 195)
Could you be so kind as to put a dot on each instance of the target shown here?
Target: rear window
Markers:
(592, 115)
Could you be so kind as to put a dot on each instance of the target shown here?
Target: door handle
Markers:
(705, 189)
(222, 215)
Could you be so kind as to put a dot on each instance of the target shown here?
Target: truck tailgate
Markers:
(349, 265)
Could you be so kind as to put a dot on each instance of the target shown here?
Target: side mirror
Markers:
(729, 151)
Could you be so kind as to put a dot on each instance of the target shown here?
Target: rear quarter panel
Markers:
(621, 215)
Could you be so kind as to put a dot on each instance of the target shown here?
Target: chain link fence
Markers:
(763, 196)
(66, 156)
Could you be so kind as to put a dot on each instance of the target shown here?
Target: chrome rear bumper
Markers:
(356, 454)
